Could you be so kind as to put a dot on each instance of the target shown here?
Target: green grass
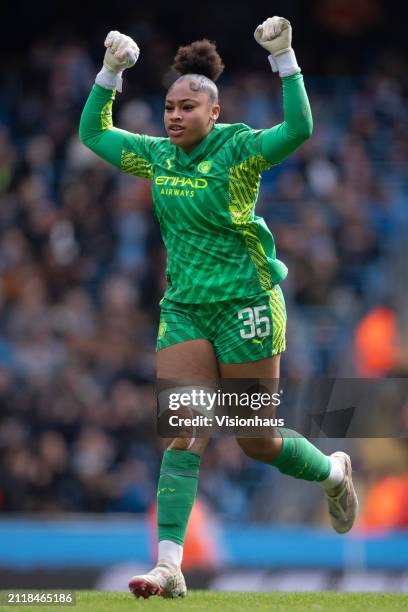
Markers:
(210, 600)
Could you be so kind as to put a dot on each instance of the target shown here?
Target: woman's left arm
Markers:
(282, 139)
(275, 35)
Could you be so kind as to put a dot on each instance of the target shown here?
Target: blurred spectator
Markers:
(377, 343)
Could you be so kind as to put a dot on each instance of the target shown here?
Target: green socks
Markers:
(176, 493)
(178, 481)
(300, 459)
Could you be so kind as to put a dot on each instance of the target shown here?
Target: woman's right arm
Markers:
(96, 129)
(129, 152)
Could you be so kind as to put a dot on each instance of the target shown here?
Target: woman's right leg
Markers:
(192, 361)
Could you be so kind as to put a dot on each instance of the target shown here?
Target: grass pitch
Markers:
(87, 601)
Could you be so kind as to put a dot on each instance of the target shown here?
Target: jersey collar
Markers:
(200, 151)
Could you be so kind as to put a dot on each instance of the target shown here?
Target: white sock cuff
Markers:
(170, 551)
(335, 477)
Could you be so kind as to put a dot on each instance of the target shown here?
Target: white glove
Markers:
(275, 35)
(121, 52)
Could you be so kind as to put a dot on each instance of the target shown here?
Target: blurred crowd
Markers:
(82, 272)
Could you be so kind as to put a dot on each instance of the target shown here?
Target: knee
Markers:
(180, 444)
(194, 445)
(261, 449)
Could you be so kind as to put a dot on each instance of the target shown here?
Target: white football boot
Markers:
(343, 502)
(165, 580)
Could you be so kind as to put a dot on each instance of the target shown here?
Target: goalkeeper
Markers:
(223, 313)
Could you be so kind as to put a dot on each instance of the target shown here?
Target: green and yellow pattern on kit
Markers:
(221, 257)
(230, 325)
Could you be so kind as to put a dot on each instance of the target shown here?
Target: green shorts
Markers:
(246, 329)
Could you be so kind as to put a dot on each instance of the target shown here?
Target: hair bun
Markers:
(200, 57)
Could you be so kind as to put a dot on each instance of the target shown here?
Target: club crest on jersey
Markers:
(204, 167)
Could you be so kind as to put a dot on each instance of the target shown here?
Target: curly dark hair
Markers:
(199, 58)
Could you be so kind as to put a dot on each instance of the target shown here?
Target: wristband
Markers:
(285, 63)
(108, 79)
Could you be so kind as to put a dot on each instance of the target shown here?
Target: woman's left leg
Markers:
(261, 449)
(294, 455)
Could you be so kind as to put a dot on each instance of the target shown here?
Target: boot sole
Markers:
(141, 587)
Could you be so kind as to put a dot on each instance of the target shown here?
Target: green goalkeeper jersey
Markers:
(217, 247)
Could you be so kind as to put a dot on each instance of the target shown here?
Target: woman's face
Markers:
(189, 115)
